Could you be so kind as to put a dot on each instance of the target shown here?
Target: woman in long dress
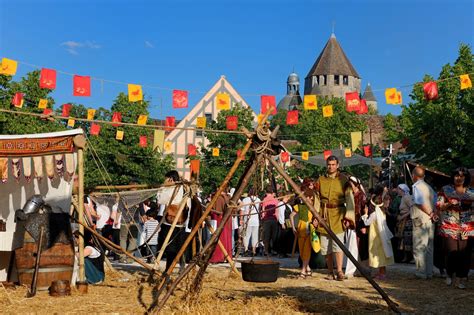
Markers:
(226, 235)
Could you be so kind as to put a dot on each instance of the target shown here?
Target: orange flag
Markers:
(310, 102)
(215, 152)
(43, 103)
(284, 157)
(431, 90)
(17, 100)
(268, 102)
(95, 129)
(201, 122)
(119, 135)
(222, 101)
(90, 114)
(305, 155)
(194, 166)
(347, 153)
(327, 111)
(167, 146)
(8, 66)
(391, 95)
(292, 117)
(142, 119)
(465, 81)
(180, 99)
(143, 141)
(71, 123)
(135, 93)
(327, 153)
(352, 102)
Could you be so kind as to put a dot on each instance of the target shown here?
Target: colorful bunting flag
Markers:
(43, 103)
(143, 141)
(81, 85)
(194, 166)
(191, 149)
(71, 123)
(17, 100)
(305, 155)
(347, 153)
(8, 66)
(158, 139)
(327, 111)
(170, 123)
(95, 129)
(47, 111)
(167, 146)
(231, 122)
(142, 120)
(465, 81)
(66, 110)
(352, 102)
(222, 101)
(215, 152)
(116, 117)
(431, 90)
(364, 109)
(391, 96)
(399, 98)
(135, 93)
(201, 122)
(268, 102)
(292, 117)
(90, 114)
(356, 140)
(284, 157)
(119, 135)
(310, 102)
(180, 99)
(327, 153)
(367, 151)
(47, 79)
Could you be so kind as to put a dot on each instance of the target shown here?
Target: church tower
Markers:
(332, 74)
(292, 97)
(370, 97)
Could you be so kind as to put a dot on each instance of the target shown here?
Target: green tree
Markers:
(214, 169)
(391, 127)
(441, 132)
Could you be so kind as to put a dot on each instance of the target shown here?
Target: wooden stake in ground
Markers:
(224, 251)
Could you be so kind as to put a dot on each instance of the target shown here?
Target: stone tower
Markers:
(370, 97)
(332, 74)
(292, 97)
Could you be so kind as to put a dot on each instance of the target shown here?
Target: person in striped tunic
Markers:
(150, 226)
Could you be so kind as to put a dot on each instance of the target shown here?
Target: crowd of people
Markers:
(379, 227)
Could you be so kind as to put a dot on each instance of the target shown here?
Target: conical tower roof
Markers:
(368, 94)
(332, 60)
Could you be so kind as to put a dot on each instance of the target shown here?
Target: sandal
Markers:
(309, 273)
(340, 276)
(302, 275)
(330, 276)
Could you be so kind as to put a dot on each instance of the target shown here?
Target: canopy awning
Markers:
(355, 159)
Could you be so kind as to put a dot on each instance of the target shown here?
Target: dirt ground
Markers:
(126, 291)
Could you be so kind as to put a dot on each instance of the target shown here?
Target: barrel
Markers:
(56, 263)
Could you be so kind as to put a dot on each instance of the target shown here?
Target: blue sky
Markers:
(255, 44)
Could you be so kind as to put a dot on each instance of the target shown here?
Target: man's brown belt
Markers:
(330, 205)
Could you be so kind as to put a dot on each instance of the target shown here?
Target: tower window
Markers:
(345, 80)
(324, 79)
(336, 79)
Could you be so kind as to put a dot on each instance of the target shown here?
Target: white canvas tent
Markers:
(43, 164)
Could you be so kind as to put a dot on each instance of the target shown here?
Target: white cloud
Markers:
(149, 44)
(73, 47)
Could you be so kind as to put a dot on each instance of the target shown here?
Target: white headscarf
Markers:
(404, 188)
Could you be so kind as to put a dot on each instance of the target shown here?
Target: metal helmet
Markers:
(33, 204)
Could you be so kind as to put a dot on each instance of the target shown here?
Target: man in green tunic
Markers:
(335, 204)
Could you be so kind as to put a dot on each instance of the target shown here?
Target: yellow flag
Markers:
(119, 135)
(310, 102)
(347, 153)
(465, 81)
(142, 119)
(90, 114)
(135, 93)
(222, 101)
(8, 66)
(158, 139)
(399, 100)
(43, 103)
(391, 95)
(201, 122)
(305, 155)
(356, 140)
(167, 146)
(215, 151)
(327, 111)
(71, 122)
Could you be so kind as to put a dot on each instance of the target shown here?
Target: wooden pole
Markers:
(80, 162)
(224, 251)
(392, 305)
(121, 187)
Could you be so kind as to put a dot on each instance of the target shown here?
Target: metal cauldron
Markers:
(260, 270)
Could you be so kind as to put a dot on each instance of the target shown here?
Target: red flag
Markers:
(352, 102)
(292, 117)
(232, 122)
(143, 141)
(116, 117)
(17, 99)
(268, 102)
(367, 151)
(82, 86)
(95, 129)
(364, 109)
(194, 166)
(191, 149)
(170, 123)
(284, 157)
(47, 111)
(66, 110)
(327, 153)
(180, 99)
(431, 90)
(47, 79)
(239, 154)
(405, 142)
